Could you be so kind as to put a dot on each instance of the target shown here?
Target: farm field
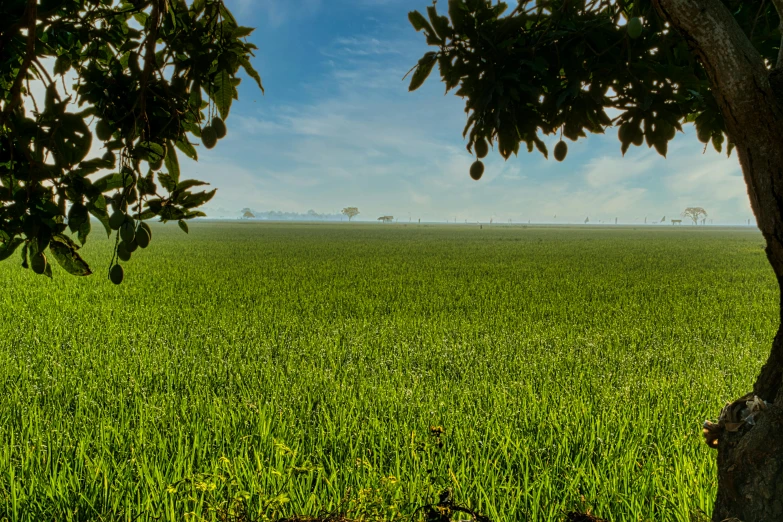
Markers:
(292, 369)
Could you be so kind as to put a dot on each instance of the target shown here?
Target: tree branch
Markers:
(753, 113)
(149, 56)
(779, 8)
(15, 97)
(735, 68)
(739, 79)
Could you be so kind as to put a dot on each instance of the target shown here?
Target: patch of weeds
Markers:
(220, 496)
(441, 478)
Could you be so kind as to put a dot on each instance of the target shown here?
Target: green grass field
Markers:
(296, 369)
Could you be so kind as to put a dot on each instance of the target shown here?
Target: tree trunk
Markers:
(750, 460)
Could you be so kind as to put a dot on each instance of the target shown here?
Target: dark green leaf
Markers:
(458, 14)
(190, 183)
(172, 163)
(113, 181)
(423, 70)
(62, 238)
(508, 140)
(225, 93)
(661, 145)
(185, 146)
(241, 32)
(77, 215)
(149, 151)
(167, 182)
(84, 231)
(439, 23)
(245, 63)
(418, 21)
(71, 139)
(197, 199)
(68, 258)
(9, 247)
(98, 209)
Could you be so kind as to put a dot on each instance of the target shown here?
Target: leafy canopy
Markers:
(694, 213)
(577, 66)
(148, 76)
(351, 212)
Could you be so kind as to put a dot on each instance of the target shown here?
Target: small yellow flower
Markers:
(437, 430)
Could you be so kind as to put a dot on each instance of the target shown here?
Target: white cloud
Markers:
(419, 198)
(710, 178)
(366, 141)
(360, 46)
(606, 171)
(711, 181)
(278, 12)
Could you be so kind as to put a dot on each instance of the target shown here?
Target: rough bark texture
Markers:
(750, 461)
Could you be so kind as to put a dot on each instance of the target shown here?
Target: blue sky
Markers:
(337, 127)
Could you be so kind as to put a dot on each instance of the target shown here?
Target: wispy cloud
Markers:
(359, 46)
(278, 12)
(347, 132)
(605, 172)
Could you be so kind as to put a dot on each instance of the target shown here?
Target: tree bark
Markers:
(750, 460)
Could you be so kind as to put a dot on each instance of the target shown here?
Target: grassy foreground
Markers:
(295, 369)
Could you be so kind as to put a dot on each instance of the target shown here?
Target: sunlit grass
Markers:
(296, 368)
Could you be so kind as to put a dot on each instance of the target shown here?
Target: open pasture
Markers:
(290, 369)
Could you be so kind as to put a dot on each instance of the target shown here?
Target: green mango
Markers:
(116, 219)
(127, 231)
(142, 238)
(116, 274)
(561, 149)
(477, 170)
(38, 263)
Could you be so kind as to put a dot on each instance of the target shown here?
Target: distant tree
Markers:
(145, 77)
(558, 67)
(248, 215)
(351, 212)
(694, 213)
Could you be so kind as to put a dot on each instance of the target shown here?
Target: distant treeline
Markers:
(277, 215)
